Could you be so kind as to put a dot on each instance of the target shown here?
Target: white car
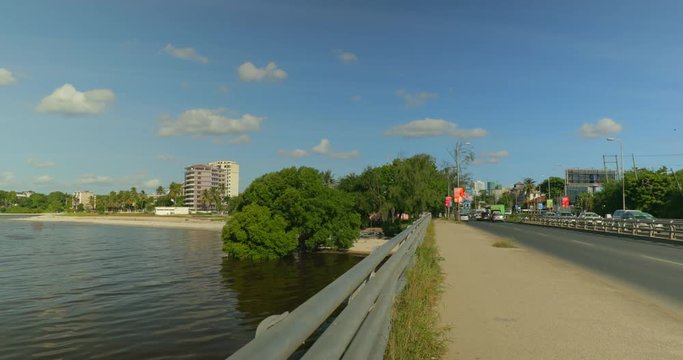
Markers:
(497, 216)
(590, 218)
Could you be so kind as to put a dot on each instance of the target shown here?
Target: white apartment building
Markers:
(202, 177)
(87, 198)
(229, 176)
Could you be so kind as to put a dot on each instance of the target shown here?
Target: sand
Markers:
(146, 221)
(520, 304)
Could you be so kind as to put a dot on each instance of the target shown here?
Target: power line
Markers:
(657, 155)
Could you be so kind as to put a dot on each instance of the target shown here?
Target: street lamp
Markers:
(623, 186)
(458, 150)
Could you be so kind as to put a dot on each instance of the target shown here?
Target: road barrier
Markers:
(664, 229)
(362, 297)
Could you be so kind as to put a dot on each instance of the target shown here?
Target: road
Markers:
(655, 268)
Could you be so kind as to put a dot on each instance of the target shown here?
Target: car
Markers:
(497, 216)
(548, 214)
(590, 218)
(464, 217)
(642, 219)
(483, 216)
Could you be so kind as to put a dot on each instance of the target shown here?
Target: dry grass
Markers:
(416, 332)
(505, 243)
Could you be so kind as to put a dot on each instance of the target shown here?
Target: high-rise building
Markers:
(586, 180)
(85, 198)
(479, 186)
(222, 174)
(228, 175)
(198, 178)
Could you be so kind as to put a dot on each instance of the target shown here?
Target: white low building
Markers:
(170, 210)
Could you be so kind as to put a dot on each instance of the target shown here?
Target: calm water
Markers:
(91, 291)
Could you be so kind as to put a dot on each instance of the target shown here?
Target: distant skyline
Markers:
(105, 96)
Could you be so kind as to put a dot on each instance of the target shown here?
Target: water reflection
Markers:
(265, 288)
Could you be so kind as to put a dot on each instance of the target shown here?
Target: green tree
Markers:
(175, 193)
(556, 187)
(529, 188)
(318, 215)
(258, 233)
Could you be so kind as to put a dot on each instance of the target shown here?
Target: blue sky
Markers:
(107, 95)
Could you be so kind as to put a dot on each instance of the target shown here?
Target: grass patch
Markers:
(505, 244)
(416, 332)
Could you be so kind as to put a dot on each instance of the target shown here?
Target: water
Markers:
(78, 291)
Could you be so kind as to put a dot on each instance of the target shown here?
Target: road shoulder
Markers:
(519, 304)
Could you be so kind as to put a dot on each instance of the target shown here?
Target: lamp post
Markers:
(623, 186)
(458, 151)
(547, 197)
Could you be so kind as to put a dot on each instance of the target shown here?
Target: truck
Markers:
(497, 207)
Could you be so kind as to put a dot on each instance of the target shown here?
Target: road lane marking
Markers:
(662, 260)
(583, 243)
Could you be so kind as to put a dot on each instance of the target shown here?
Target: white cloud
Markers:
(152, 184)
(356, 98)
(7, 177)
(249, 72)
(434, 127)
(209, 122)
(164, 157)
(95, 179)
(69, 101)
(185, 54)
(412, 100)
(323, 148)
(603, 127)
(242, 139)
(491, 157)
(6, 77)
(41, 163)
(345, 155)
(346, 57)
(44, 179)
(296, 153)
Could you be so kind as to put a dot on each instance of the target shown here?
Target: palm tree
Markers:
(529, 187)
(160, 190)
(328, 178)
(175, 191)
(206, 198)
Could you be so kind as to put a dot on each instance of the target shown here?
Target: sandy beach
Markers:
(146, 221)
(361, 246)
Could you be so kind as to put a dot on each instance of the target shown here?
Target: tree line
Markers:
(130, 200)
(303, 209)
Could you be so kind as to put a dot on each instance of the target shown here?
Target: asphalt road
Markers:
(652, 267)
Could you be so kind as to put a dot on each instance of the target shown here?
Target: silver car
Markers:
(497, 216)
(590, 218)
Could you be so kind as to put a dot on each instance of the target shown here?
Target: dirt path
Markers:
(519, 304)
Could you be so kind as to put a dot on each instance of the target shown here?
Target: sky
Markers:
(107, 95)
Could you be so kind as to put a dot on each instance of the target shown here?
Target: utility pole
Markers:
(457, 157)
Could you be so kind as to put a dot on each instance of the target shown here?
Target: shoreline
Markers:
(360, 246)
(143, 221)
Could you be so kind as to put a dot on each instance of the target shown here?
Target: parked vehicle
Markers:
(642, 220)
(464, 217)
(497, 216)
(590, 218)
(483, 216)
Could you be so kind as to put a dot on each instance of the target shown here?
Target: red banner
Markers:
(448, 201)
(458, 194)
(565, 201)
